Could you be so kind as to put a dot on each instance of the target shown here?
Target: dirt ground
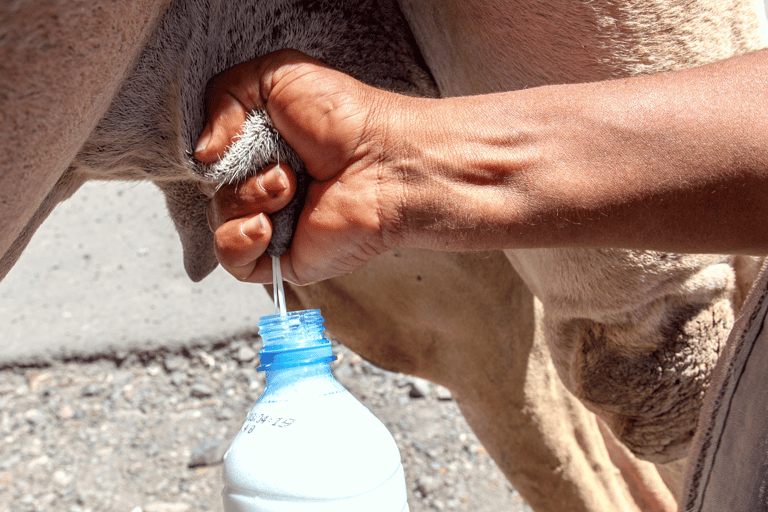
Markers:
(145, 432)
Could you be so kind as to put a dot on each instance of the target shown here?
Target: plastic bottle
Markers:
(308, 445)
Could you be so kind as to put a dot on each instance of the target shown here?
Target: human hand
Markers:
(390, 170)
(337, 126)
(580, 165)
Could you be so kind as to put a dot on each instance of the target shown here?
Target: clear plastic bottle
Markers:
(308, 445)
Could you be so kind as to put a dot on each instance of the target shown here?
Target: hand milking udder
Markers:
(231, 216)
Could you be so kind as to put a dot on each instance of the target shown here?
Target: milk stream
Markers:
(277, 286)
(308, 445)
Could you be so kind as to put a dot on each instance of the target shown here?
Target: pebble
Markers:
(65, 412)
(175, 364)
(200, 391)
(433, 453)
(427, 485)
(35, 417)
(120, 378)
(420, 388)
(209, 453)
(178, 378)
(208, 360)
(100, 452)
(91, 390)
(225, 414)
(343, 373)
(61, 478)
(37, 379)
(245, 354)
(443, 393)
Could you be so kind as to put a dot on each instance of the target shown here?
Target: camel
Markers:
(113, 90)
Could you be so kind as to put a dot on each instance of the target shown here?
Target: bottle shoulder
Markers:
(316, 446)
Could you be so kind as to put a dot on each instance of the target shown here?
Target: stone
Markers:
(61, 478)
(91, 390)
(245, 354)
(225, 414)
(35, 417)
(38, 379)
(200, 391)
(208, 453)
(427, 485)
(175, 364)
(453, 504)
(420, 388)
(178, 378)
(443, 393)
(206, 359)
(120, 378)
(343, 373)
(65, 412)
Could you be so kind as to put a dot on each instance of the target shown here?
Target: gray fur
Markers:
(259, 144)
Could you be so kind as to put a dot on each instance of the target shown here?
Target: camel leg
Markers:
(650, 490)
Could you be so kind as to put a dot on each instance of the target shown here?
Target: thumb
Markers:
(224, 125)
(229, 97)
(306, 100)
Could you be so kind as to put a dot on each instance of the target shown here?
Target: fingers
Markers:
(226, 118)
(322, 113)
(240, 246)
(240, 243)
(229, 96)
(237, 215)
(268, 191)
(233, 93)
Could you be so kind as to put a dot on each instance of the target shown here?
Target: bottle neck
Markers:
(293, 340)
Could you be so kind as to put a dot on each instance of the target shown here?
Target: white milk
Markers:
(308, 445)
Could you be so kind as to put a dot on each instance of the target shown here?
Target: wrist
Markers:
(461, 172)
(397, 135)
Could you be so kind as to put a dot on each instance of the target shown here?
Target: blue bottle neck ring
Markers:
(294, 339)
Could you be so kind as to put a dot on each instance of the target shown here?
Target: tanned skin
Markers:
(675, 162)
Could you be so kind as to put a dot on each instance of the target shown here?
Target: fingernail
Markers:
(273, 180)
(254, 227)
(205, 138)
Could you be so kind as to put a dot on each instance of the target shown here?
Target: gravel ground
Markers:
(145, 432)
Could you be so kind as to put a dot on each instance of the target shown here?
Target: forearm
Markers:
(676, 161)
